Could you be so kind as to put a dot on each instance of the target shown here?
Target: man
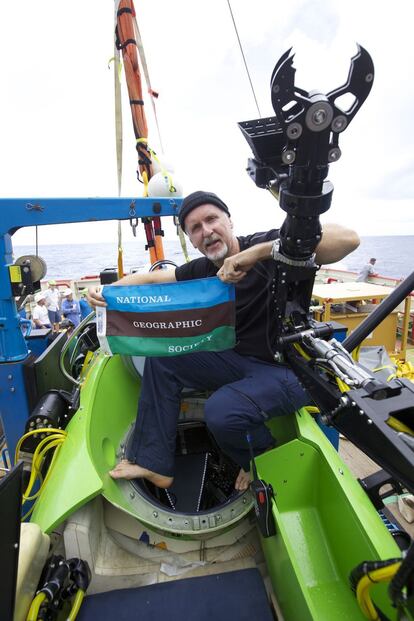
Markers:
(85, 309)
(248, 385)
(52, 303)
(70, 307)
(40, 315)
(367, 270)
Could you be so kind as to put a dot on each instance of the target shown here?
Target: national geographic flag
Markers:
(167, 319)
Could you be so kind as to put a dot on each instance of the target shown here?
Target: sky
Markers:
(57, 106)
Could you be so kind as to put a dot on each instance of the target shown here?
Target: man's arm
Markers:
(235, 268)
(64, 308)
(95, 298)
(36, 319)
(336, 243)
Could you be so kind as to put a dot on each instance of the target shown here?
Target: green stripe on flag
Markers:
(217, 340)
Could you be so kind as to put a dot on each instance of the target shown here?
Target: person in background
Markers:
(70, 307)
(249, 386)
(40, 316)
(367, 270)
(53, 303)
(85, 309)
(67, 326)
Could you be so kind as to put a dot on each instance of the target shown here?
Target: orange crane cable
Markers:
(129, 41)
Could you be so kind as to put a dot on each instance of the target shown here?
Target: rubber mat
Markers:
(235, 595)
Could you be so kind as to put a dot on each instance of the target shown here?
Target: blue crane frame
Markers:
(17, 213)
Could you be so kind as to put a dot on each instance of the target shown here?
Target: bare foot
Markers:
(242, 481)
(127, 470)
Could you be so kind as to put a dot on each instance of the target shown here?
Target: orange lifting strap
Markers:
(126, 40)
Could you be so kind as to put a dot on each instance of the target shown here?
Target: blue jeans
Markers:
(247, 392)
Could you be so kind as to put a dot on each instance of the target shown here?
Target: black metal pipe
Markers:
(384, 309)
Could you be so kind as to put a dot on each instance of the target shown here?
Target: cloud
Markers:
(57, 116)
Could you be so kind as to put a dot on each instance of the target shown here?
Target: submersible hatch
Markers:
(202, 503)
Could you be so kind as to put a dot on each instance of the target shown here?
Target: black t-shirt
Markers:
(255, 320)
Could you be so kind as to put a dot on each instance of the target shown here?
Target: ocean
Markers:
(393, 254)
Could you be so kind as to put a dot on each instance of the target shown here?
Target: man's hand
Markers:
(235, 268)
(95, 297)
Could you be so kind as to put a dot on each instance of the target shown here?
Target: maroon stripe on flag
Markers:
(188, 322)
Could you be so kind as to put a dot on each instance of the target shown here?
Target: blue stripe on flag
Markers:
(186, 294)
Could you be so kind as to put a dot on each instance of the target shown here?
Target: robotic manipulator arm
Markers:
(292, 152)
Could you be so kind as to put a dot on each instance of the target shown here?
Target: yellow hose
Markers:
(312, 409)
(384, 574)
(76, 605)
(302, 352)
(341, 385)
(36, 465)
(35, 606)
(54, 440)
(398, 425)
(355, 353)
(31, 433)
(26, 515)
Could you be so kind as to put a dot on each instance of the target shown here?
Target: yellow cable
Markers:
(35, 606)
(26, 515)
(37, 464)
(76, 605)
(341, 385)
(302, 352)
(35, 458)
(145, 181)
(312, 409)
(355, 353)
(403, 369)
(163, 170)
(31, 433)
(398, 425)
(383, 574)
(171, 186)
(54, 457)
(56, 443)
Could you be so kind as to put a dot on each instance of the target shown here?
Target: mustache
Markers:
(211, 240)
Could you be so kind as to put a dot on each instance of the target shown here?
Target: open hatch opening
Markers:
(204, 478)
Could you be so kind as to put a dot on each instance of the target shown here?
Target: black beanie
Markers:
(195, 200)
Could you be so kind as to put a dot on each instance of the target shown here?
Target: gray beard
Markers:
(218, 256)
